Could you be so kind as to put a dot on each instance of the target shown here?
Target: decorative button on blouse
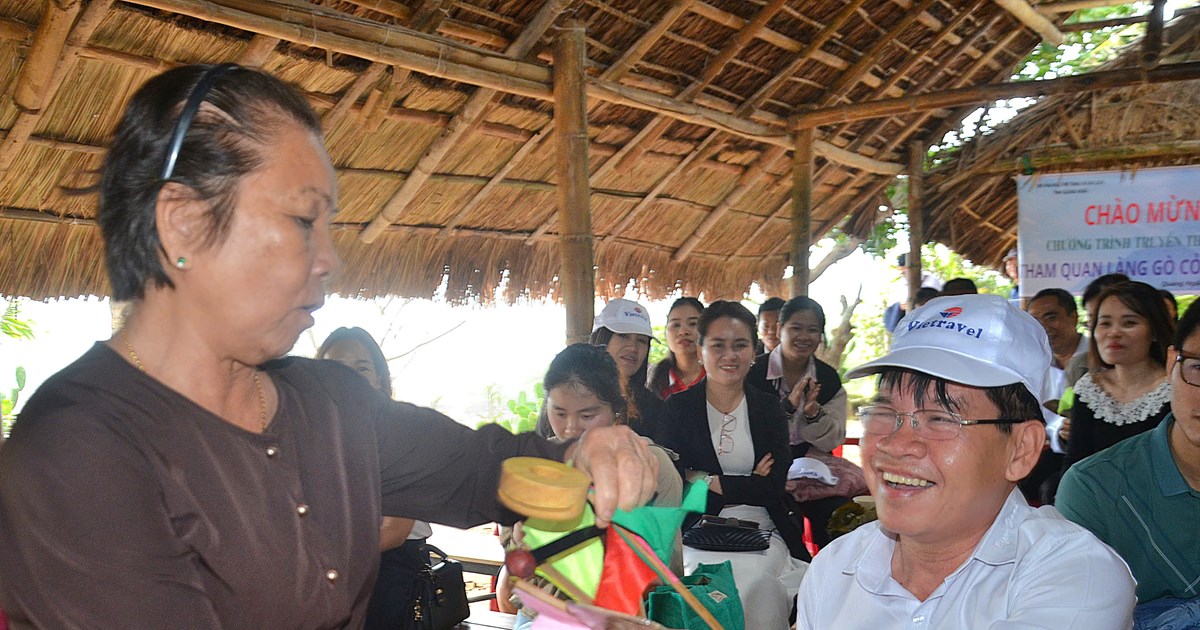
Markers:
(332, 575)
(272, 451)
(302, 509)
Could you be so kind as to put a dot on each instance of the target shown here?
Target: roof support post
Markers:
(916, 219)
(802, 210)
(576, 276)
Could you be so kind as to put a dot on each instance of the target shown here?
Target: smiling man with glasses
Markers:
(1142, 496)
(956, 423)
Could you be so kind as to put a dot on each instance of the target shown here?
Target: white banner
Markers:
(1074, 227)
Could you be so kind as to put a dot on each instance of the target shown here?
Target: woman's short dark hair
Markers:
(798, 304)
(734, 310)
(1011, 401)
(364, 339)
(240, 115)
(1187, 324)
(588, 366)
(1144, 300)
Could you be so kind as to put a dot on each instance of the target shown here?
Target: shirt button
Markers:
(302, 509)
(272, 451)
(332, 575)
(919, 619)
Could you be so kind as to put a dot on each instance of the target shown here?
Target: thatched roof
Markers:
(678, 200)
(973, 195)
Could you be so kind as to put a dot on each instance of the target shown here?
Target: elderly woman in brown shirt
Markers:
(177, 475)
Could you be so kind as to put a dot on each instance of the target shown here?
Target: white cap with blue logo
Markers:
(976, 340)
(624, 316)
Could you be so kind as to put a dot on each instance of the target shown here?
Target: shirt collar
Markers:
(873, 566)
(1166, 471)
(775, 365)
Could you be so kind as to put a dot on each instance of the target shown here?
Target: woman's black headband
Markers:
(203, 86)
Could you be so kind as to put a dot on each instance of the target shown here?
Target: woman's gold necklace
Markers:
(258, 386)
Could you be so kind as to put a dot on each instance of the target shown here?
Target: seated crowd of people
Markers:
(185, 473)
(960, 540)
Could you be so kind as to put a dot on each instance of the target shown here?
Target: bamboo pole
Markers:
(1032, 19)
(916, 218)
(1071, 6)
(577, 277)
(467, 119)
(445, 59)
(995, 91)
(256, 52)
(48, 42)
(802, 210)
(26, 121)
(745, 185)
(1152, 42)
(13, 30)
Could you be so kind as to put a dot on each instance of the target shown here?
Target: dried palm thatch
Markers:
(973, 196)
(438, 115)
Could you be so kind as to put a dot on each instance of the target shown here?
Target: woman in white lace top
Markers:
(1126, 392)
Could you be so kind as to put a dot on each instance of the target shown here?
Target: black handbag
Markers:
(714, 533)
(439, 595)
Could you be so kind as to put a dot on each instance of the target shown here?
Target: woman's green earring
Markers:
(180, 262)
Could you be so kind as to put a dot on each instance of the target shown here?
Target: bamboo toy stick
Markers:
(647, 555)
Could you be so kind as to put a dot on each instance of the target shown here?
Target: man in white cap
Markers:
(956, 422)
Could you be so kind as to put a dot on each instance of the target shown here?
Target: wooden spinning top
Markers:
(542, 488)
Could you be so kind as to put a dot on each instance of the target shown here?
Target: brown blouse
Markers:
(125, 505)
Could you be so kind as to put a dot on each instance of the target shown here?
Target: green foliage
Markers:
(947, 263)
(9, 402)
(518, 415)
(658, 351)
(1084, 50)
(11, 324)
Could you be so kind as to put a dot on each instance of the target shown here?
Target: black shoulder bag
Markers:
(439, 594)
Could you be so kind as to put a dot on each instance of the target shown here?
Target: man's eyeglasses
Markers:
(1189, 369)
(931, 424)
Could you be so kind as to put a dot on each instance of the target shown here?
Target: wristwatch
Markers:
(812, 419)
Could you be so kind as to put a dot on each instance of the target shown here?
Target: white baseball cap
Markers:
(624, 316)
(978, 340)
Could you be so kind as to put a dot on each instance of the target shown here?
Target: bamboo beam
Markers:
(390, 45)
(13, 30)
(577, 277)
(361, 84)
(745, 184)
(644, 43)
(387, 7)
(996, 91)
(960, 49)
(1130, 153)
(803, 57)
(26, 121)
(711, 69)
(1071, 6)
(637, 146)
(471, 115)
(256, 52)
(802, 210)
(916, 218)
(850, 77)
(1119, 22)
(452, 61)
(625, 221)
(1152, 42)
(1033, 20)
(48, 42)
